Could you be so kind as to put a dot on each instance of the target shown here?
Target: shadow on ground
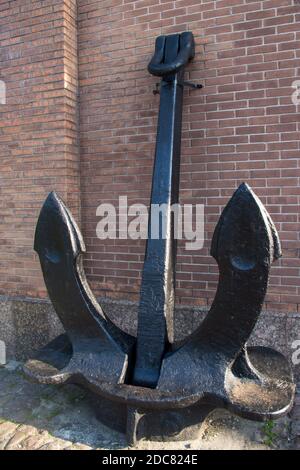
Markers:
(49, 417)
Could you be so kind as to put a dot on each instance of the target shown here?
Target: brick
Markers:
(245, 25)
(36, 112)
(260, 32)
(241, 126)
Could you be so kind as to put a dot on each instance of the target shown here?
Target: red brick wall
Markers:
(38, 129)
(242, 126)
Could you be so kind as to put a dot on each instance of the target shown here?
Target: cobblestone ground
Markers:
(60, 418)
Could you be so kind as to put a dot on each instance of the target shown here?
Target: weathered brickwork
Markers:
(38, 134)
(243, 126)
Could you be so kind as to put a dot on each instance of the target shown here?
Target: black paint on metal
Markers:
(172, 54)
(155, 387)
(155, 320)
(97, 344)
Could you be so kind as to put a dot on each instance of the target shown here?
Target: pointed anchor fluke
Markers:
(214, 360)
(98, 348)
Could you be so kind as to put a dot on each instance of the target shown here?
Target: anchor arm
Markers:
(60, 246)
(245, 243)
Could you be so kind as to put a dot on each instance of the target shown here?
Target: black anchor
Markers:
(151, 377)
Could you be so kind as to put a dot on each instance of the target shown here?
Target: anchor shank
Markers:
(155, 320)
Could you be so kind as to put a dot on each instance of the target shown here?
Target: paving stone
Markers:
(35, 442)
(7, 431)
(18, 437)
(7, 428)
